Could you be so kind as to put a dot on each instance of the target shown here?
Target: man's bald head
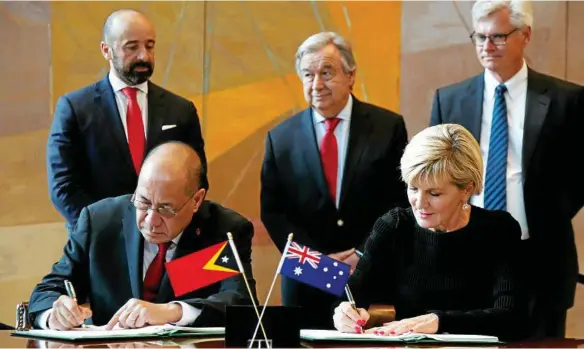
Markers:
(174, 161)
(168, 194)
(117, 20)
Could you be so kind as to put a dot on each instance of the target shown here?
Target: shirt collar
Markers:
(177, 238)
(345, 113)
(513, 85)
(118, 84)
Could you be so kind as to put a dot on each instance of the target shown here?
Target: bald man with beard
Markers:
(117, 240)
(101, 133)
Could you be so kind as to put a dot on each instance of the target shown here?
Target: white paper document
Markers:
(331, 335)
(97, 332)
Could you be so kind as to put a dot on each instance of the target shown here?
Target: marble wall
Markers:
(235, 60)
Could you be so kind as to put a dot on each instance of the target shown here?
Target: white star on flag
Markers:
(225, 259)
(297, 271)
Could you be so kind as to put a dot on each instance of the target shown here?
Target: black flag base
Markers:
(282, 326)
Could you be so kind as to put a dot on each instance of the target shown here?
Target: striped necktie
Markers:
(495, 182)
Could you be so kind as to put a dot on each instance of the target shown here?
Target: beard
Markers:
(130, 75)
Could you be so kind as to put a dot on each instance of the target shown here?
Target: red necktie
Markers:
(329, 155)
(155, 272)
(136, 138)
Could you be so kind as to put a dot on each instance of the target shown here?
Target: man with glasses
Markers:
(528, 126)
(115, 257)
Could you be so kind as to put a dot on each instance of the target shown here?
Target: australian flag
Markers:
(315, 269)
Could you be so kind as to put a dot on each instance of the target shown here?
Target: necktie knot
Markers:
(500, 90)
(163, 248)
(130, 92)
(331, 124)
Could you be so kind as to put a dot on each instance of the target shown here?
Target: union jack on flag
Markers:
(304, 254)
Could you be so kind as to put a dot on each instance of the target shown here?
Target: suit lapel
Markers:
(155, 115)
(309, 147)
(134, 251)
(536, 109)
(472, 103)
(359, 132)
(106, 104)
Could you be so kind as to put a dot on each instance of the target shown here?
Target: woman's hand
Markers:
(350, 320)
(420, 324)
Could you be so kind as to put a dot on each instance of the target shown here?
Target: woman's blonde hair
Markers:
(443, 152)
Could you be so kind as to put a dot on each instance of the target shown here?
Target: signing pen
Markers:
(71, 293)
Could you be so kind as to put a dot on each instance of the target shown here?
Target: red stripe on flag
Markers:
(186, 274)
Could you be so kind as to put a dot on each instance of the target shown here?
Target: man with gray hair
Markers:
(527, 124)
(331, 170)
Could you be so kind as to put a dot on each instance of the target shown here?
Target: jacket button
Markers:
(340, 222)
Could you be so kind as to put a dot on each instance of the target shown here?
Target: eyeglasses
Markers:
(497, 39)
(164, 211)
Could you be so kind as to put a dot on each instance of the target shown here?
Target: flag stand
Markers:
(272, 286)
(267, 343)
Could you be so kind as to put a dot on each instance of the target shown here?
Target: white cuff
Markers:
(42, 321)
(189, 314)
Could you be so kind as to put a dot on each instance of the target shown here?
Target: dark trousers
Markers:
(546, 323)
(545, 320)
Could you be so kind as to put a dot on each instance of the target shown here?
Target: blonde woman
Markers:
(446, 265)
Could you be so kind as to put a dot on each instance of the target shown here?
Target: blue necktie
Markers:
(495, 182)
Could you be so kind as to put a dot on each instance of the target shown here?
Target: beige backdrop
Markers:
(235, 60)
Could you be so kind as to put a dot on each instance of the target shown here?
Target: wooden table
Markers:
(8, 341)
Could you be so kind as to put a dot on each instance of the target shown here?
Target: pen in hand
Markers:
(353, 305)
(71, 293)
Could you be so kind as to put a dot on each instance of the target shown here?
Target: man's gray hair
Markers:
(318, 41)
(520, 11)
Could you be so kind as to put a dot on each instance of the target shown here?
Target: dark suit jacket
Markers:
(88, 158)
(294, 195)
(552, 194)
(103, 260)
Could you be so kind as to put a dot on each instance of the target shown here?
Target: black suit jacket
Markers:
(103, 259)
(553, 122)
(294, 195)
(88, 157)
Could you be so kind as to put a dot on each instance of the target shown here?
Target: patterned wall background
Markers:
(235, 60)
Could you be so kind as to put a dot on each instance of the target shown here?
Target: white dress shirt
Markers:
(515, 100)
(342, 136)
(189, 313)
(122, 101)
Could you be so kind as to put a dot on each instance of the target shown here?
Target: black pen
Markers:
(71, 293)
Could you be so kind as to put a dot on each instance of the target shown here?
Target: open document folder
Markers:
(97, 332)
(326, 335)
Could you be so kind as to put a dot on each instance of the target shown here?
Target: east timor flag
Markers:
(201, 268)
